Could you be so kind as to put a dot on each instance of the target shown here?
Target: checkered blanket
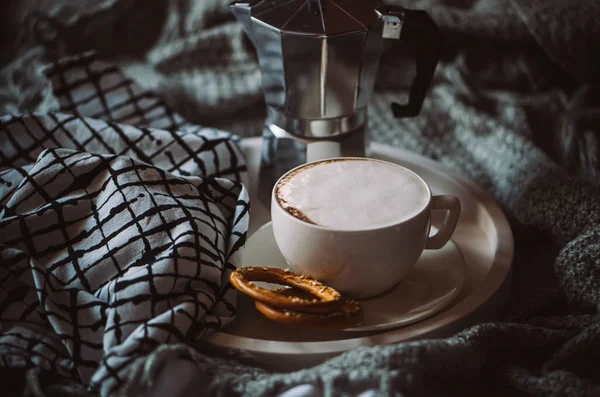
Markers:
(119, 226)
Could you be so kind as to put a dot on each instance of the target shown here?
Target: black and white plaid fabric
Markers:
(119, 226)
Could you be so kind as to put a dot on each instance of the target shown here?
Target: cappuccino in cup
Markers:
(357, 224)
(352, 194)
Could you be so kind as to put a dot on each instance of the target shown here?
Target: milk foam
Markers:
(352, 194)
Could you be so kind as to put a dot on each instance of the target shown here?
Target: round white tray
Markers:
(483, 236)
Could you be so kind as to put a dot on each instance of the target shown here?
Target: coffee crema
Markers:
(352, 194)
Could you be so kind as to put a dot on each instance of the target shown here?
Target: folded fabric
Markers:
(114, 238)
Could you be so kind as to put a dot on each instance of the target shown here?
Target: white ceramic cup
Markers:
(361, 263)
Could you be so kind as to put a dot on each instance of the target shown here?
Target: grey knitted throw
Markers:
(514, 106)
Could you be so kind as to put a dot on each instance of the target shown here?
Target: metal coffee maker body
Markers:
(318, 61)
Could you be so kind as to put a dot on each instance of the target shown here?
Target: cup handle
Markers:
(452, 205)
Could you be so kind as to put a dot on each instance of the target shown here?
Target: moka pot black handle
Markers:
(419, 27)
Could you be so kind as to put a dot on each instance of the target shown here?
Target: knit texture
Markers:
(513, 106)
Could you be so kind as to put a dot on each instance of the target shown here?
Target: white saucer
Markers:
(482, 236)
(429, 287)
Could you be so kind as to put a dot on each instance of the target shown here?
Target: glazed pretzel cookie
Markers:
(349, 314)
(322, 299)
